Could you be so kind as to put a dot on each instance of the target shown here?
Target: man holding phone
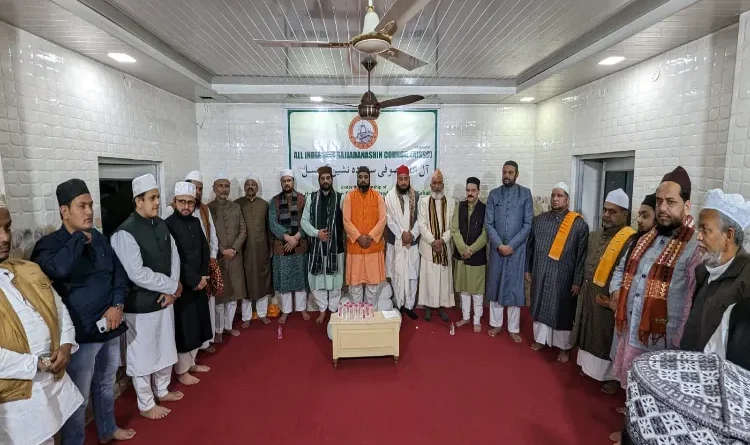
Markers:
(92, 283)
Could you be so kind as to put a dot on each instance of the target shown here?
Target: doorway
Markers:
(596, 177)
(116, 190)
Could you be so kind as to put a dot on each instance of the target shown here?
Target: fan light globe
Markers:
(371, 21)
(372, 46)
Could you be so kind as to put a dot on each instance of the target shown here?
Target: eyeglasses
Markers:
(185, 202)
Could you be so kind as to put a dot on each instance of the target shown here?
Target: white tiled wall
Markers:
(59, 112)
(680, 118)
(737, 167)
(474, 140)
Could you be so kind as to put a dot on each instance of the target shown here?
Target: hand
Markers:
(87, 235)
(60, 358)
(293, 241)
(288, 238)
(369, 240)
(40, 366)
(467, 254)
(288, 247)
(603, 301)
(437, 245)
(576, 290)
(362, 241)
(202, 285)
(407, 238)
(613, 300)
(228, 254)
(114, 318)
(527, 277)
(323, 235)
(166, 300)
(505, 250)
(178, 293)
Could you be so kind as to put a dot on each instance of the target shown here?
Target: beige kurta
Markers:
(231, 232)
(435, 280)
(257, 247)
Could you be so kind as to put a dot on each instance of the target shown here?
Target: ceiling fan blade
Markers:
(298, 44)
(400, 13)
(399, 101)
(400, 58)
(339, 104)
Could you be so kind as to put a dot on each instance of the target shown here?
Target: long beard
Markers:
(711, 259)
(437, 195)
(665, 230)
(363, 187)
(403, 191)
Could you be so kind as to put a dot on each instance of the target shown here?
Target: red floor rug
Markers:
(462, 389)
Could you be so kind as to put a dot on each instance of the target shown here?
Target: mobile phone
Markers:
(102, 325)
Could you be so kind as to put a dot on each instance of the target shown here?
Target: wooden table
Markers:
(369, 338)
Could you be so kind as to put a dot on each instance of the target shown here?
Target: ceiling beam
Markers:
(356, 90)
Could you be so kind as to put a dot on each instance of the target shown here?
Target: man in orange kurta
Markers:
(364, 222)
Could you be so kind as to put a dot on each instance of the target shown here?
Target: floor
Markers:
(462, 389)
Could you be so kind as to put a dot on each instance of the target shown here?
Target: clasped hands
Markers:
(291, 242)
(167, 300)
(406, 238)
(505, 250)
(58, 360)
(364, 241)
(438, 245)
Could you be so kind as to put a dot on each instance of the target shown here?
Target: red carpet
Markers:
(465, 389)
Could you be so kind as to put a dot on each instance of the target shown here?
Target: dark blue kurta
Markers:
(508, 217)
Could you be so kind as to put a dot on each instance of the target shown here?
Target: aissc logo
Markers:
(363, 133)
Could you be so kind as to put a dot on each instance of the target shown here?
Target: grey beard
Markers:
(437, 195)
(711, 259)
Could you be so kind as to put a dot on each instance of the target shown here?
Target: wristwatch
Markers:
(120, 307)
(46, 361)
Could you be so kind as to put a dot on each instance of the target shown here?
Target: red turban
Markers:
(403, 170)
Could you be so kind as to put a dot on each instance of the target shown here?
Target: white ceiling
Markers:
(480, 51)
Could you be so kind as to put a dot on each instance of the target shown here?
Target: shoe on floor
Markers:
(411, 314)
(444, 315)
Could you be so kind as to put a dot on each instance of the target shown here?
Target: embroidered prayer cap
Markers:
(364, 169)
(619, 198)
(194, 175)
(252, 177)
(402, 170)
(69, 190)
(221, 176)
(144, 183)
(562, 186)
(184, 189)
(3, 201)
(472, 180)
(731, 205)
(286, 172)
(325, 169)
(650, 200)
(680, 176)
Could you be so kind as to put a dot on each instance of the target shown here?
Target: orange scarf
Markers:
(555, 252)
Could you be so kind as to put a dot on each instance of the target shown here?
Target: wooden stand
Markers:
(369, 338)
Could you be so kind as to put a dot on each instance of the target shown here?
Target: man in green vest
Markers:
(150, 258)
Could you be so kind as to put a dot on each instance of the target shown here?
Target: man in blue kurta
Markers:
(508, 218)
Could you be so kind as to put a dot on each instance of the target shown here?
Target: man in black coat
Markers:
(192, 317)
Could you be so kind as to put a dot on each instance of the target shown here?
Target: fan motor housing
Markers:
(371, 43)
(369, 111)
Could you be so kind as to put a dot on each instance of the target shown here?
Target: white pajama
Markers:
(545, 335)
(185, 361)
(595, 367)
(261, 306)
(146, 385)
(371, 293)
(466, 300)
(514, 317)
(212, 314)
(247, 309)
(225, 316)
(327, 299)
(300, 301)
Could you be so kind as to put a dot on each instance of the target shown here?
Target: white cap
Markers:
(221, 176)
(194, 175)
(619, 198)
(286, 172)
(562, 186)
(184, 189)
(144, 183)
(252, 177)
(731, 205)
(3, 202)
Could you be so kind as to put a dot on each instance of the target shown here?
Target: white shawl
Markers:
(400, 279)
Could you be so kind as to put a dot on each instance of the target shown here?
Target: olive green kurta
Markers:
(257, 251)
(231, 232)
(467, 278)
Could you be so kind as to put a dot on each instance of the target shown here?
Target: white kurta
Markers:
(150, 337)
(717, 344)
(401, 262)
(436, 281)
(37, 419)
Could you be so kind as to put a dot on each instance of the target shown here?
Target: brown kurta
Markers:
(594, 324)
(231, 232)
(257, 247)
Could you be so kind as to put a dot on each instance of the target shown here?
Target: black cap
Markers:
(70, 190)
(472, 180)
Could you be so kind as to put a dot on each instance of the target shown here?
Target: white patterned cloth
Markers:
(680, 397)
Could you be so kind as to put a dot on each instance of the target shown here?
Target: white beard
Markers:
(711, 259)
(437, 195)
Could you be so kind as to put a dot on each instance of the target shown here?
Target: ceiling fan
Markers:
(369, 107)
(376, 36)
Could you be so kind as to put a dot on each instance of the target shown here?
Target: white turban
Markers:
(3, 202)
(286, 172)
(731, 205)
(221, 176)
(194, 175)
(252, 177)
(619, 198)
(562, 186)
(144, 183)
(184, 189)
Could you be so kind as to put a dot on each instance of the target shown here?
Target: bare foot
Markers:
(477, 328)
(120, 434)
(563, 356)
(156, 413)
(305, 315)
(232, 332)
(172, 396)
(461, 323)
(622, 410)
(537, 346)
(187, 379)
(321, 318)
(283, 318)
(616, 436)
(494, 331)
(199, 368)
(516, 338)
(265, 320)
(209, 350)
(218, 338)
(245, 324)
(610, 387)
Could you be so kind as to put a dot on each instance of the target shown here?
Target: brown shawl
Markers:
(437, 227)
